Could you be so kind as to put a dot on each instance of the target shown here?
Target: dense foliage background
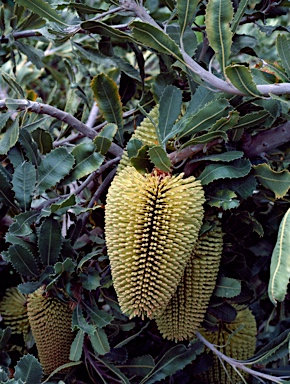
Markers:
(77, 78)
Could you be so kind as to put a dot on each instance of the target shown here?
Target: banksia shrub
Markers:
(185, 311)
(50, 320)
(13, 310)
(152, 223)
(146, 132)
(239, 346)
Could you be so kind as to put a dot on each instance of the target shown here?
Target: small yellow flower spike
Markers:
(152, 222)
(14, 312)
(51, 321)
(186, 310)
(239, 346)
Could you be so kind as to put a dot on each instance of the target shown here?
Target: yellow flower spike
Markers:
(13, 310)
(152, 222)
(50, 320)
(186, 310)
(239, 346)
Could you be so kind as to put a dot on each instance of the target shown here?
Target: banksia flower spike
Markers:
(240, 346)
(152, 223)
(185, 311)
(146, 132)
(50, 320)
(14, 312)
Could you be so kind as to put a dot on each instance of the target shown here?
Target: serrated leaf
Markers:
(109, 101)
(189, 39)
(49, 241)
(29, 146)
(76, 348)
(33, 54)
(24, 179)
(169, 110)
(29, 370)
(6, 194)
(159, 158)
(173, 360)
(102, 29)
(21, 226)
(140, 366)
(226, 123)
(64, 205)
(118, 355)
(238, 168)
(133, 147)
(219, 14)
(42, 9)
(283, 48)
(100, 342)
(23, 260)
(105, 137)
(223, 198)
(43, 140)
(201, 97)
(14, 85)
(29, 287)
(186, 10)
(53, 168)
(277, 182)
(9, 137)
(280, 262)
(227, 287)
(87, 161)
(225, 156)
(116, 371)
(98, 316)
(79, 322)
(206, 138)
(155, 38)
(252, 119)
(68, 265)
(4, 117)
(241, 77)
(239, 14)
(142, 160)
(90, 279)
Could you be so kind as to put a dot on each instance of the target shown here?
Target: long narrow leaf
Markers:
(280, 262)
(241, 78)
(49, 241)
(24, 179)
(23, 260)
(186, 10)
(283, 48)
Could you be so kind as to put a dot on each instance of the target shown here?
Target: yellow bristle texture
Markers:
(152, 223)
(13, 310)
(186, 310)
(146, 132)
(50, 320)
(240, 346)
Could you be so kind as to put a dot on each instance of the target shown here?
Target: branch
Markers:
(45, 109)
(219, 84)
(236, 363)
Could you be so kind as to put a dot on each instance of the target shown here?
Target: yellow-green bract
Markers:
(152, 222)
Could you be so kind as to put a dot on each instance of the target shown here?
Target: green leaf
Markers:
(29, 370)
(54, 167)
(23, 260)
(87, 161)
(140, 366)
(133, 147)
(90, 279)
(42, 9)
(226, 156)
(189, 39)
(223, 198)
(169, 110)
(227, 287)
(14, 85)
(239, 14)
(102, 29)
(79, 322)
(43, 140)
(277, 182)
(252, 119)
(63, 206)
(283, 48)
(105, 137)
(24, 179)
(33, 54)
(186, 10)
(98, 316)
(280, 262)
(49, 241)
(76, 348)
(241, 77)
(6, 194)
(9, 137)
(29, 287)
(100, 342)
(159, 158)
(142, 160)
(4, 117)
(68, 265)
(201, 97)
(116, 371)
(226, 123)
(219, 14)
(22, 224)
(109, 101)
(206, 138)
(29, 146)
(236, 169)
(155, 38)
(173, 360)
